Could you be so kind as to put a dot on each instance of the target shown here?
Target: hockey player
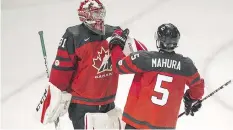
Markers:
(82, 71)
(154, 102)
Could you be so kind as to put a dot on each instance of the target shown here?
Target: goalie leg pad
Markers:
(109, 120)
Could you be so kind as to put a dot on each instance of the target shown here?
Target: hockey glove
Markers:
(119, 38)
(53, 104)
(196, 107)
(191, 105)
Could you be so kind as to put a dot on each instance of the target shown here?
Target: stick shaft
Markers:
(44, 52)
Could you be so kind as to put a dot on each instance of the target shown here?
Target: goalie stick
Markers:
(56, 123)
(211, 94)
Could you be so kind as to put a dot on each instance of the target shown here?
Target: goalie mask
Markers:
(167, 37)
(92, 14)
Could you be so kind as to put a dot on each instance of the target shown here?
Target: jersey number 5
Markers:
(158, 88)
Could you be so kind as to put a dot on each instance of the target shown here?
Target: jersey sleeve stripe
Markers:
(119, 68)
(63, 68)
(195, 80)
(127, 67)
(62, 59)
(192, 80)
(63, 63)
(62, 53)
(132, 65)
(145, 123)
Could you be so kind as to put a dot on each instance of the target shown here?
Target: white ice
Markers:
(206, 28)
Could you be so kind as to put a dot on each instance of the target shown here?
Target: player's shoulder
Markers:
(185, 59)
(146, 54)
(74, 30)
(111, 27)
(188, 62)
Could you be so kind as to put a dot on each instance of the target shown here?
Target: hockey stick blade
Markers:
(211, 94)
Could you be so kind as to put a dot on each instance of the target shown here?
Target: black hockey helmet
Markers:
(167, 37)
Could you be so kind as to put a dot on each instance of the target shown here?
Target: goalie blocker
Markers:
(53, 104)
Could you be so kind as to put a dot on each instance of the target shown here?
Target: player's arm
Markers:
(194, 81)
(195, 91)
(130, 64)
(136, 83)
(64, 64)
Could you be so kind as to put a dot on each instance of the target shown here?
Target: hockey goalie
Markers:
(56, 102)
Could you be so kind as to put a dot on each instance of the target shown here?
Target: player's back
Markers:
(155, 104)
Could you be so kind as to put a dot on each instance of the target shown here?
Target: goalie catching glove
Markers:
(119, 38)
(53, 104)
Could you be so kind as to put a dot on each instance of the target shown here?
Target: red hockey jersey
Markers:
(154, 101)
(83, 66)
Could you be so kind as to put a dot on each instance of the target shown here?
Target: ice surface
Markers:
(206, 37)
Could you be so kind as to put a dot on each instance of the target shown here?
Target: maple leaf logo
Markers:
(103, 61)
